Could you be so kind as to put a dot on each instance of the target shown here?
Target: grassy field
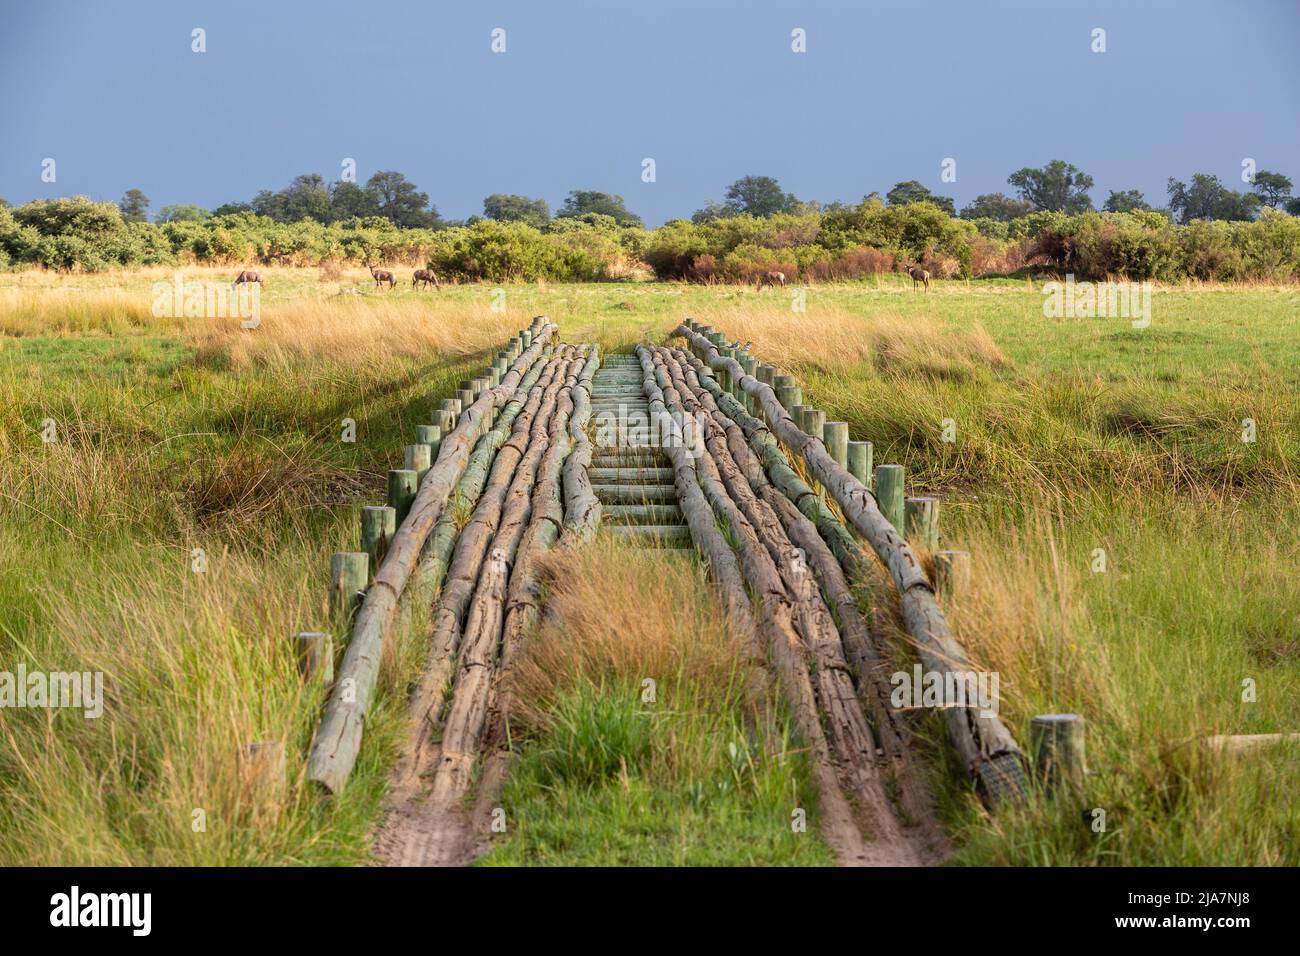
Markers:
(1071, 435)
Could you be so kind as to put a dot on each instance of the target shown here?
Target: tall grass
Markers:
(646, 737)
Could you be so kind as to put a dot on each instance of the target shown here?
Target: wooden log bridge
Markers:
(693, 450)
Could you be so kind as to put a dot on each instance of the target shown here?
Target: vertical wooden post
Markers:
(748, 366)
(349, 573)
(430, 435)
(378, 525)
(419, 461)
(481, 385)
(525, 338)
(814, 420)
(797, 413)
(315, 653)
(401, 491)
(445, 417)
(952, 573)
(921, 522)
(790, 397)
(836, 436)
(889, 493)
(766, 374)
(1057, 741)
(860, 461)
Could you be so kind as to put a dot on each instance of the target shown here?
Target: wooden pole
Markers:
(859, 464)
(952, 573)
(315, 652)
(790, 397)
(889, 494)
(349, 572)
(836, 437)
(1057, 742)
(431, 436)
(378, 525)
(814, 422)
(921, 521)
(419, 461)
(766, 374)
(466, 398)
(444, 417)
(402, 486)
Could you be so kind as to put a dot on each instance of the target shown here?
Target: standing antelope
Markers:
(919, 275)
(248, 275)
(381, 276)
(771, 278)
(427, 277)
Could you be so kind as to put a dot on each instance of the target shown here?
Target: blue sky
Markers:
(585, 91)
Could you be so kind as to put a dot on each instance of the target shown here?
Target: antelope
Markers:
(381, 276)
(771, 278)
(248, 275)
(919, 275)
(427, 277)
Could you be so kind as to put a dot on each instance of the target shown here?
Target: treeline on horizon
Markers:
(1206, 232)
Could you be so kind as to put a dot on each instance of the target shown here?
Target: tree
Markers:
(712, 211)
(997, 206)
(1273, 189)
(350, 201)
(1126, 200)
(307, 197)
(232, 208)
(1208, 198)
(1059, 186)
(507, 207)
(1293, 207)
(911, 191)
(758, 196)
(181, 212)
(582, 201)
(401, 202)
(134, 206)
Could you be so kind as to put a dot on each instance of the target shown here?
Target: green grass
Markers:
(614, 782)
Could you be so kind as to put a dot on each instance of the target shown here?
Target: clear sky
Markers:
(586, 90)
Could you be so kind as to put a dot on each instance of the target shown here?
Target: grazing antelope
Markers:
(771, 278)
(919, 275)
(381, 276)
(248, 275)
(427, 277)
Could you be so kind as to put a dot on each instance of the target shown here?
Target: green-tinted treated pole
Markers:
(921, 518)
(418, 460)
(1057, 742)
(378, 525)
(815, 421)
(836, 436)
(348, 573)
(889, 493)
(790, 397)
(315, 656)
(766, 374)
(860, 461)
(430, 435)
(401, 491)
(444, 418)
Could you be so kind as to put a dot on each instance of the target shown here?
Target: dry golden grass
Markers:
(618, 615)
(353, 333)
(835, 340)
